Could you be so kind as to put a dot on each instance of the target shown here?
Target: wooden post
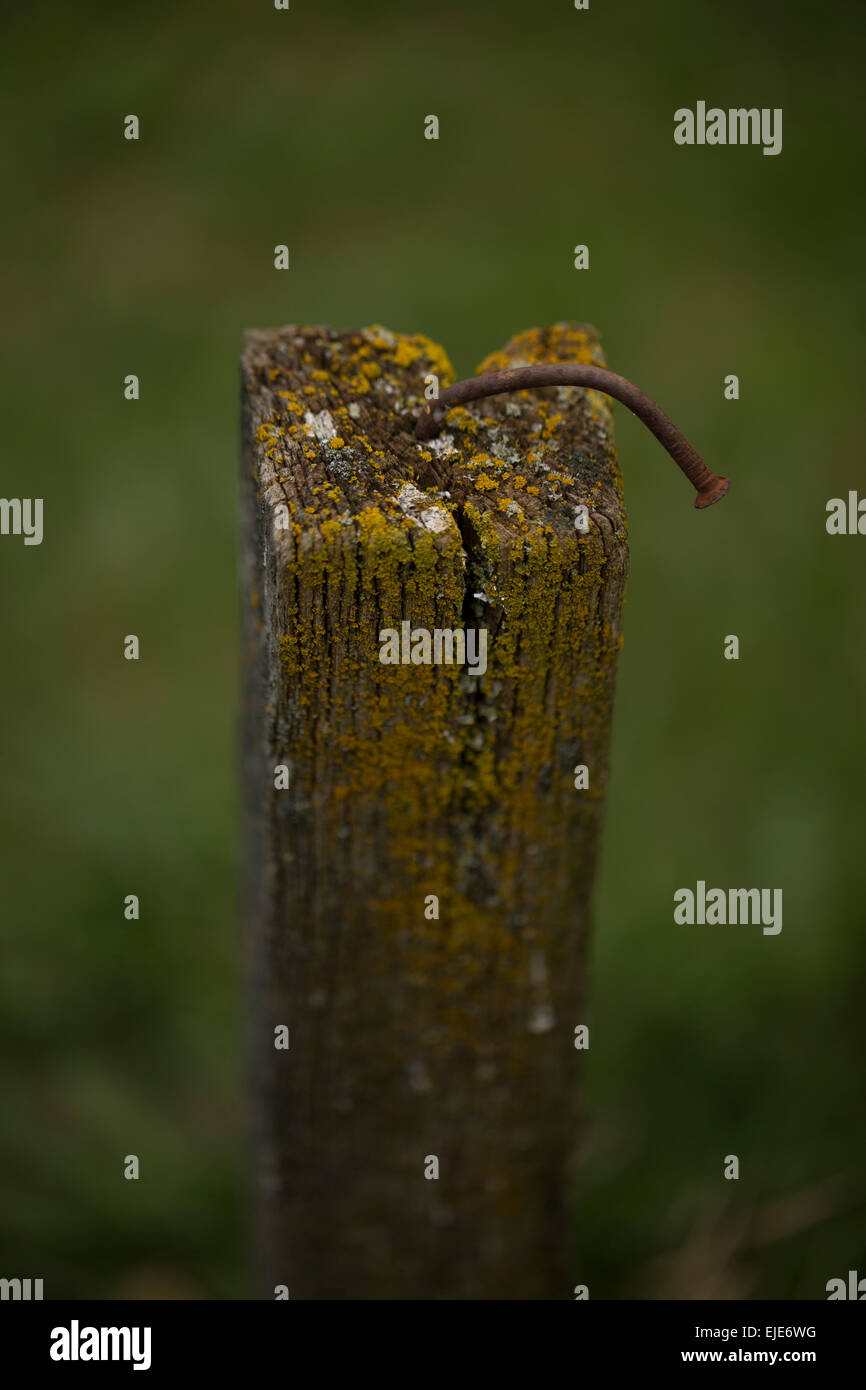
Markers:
(419, 876)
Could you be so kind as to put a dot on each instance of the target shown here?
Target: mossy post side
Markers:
(420, 844)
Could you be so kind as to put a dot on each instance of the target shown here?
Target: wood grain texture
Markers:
(411, 1036)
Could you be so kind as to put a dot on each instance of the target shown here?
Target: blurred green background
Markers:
(259, 127)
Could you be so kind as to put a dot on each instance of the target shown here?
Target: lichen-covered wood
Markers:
(413, 1036)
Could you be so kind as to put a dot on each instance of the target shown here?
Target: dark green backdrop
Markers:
(260, 127)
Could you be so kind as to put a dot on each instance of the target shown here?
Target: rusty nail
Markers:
(710, 487)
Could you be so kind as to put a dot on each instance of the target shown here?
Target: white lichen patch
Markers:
(505, 453)
(410, 498)
(379, 336)
(542, 1019)
(320, 426)
(441, 445)
(435, 519)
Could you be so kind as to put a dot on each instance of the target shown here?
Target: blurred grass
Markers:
(556, 128)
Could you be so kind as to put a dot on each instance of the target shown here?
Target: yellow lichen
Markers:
(412, 741)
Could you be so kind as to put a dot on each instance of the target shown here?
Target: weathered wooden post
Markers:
(419, 874)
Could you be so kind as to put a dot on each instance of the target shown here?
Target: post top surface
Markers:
(331, 420)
